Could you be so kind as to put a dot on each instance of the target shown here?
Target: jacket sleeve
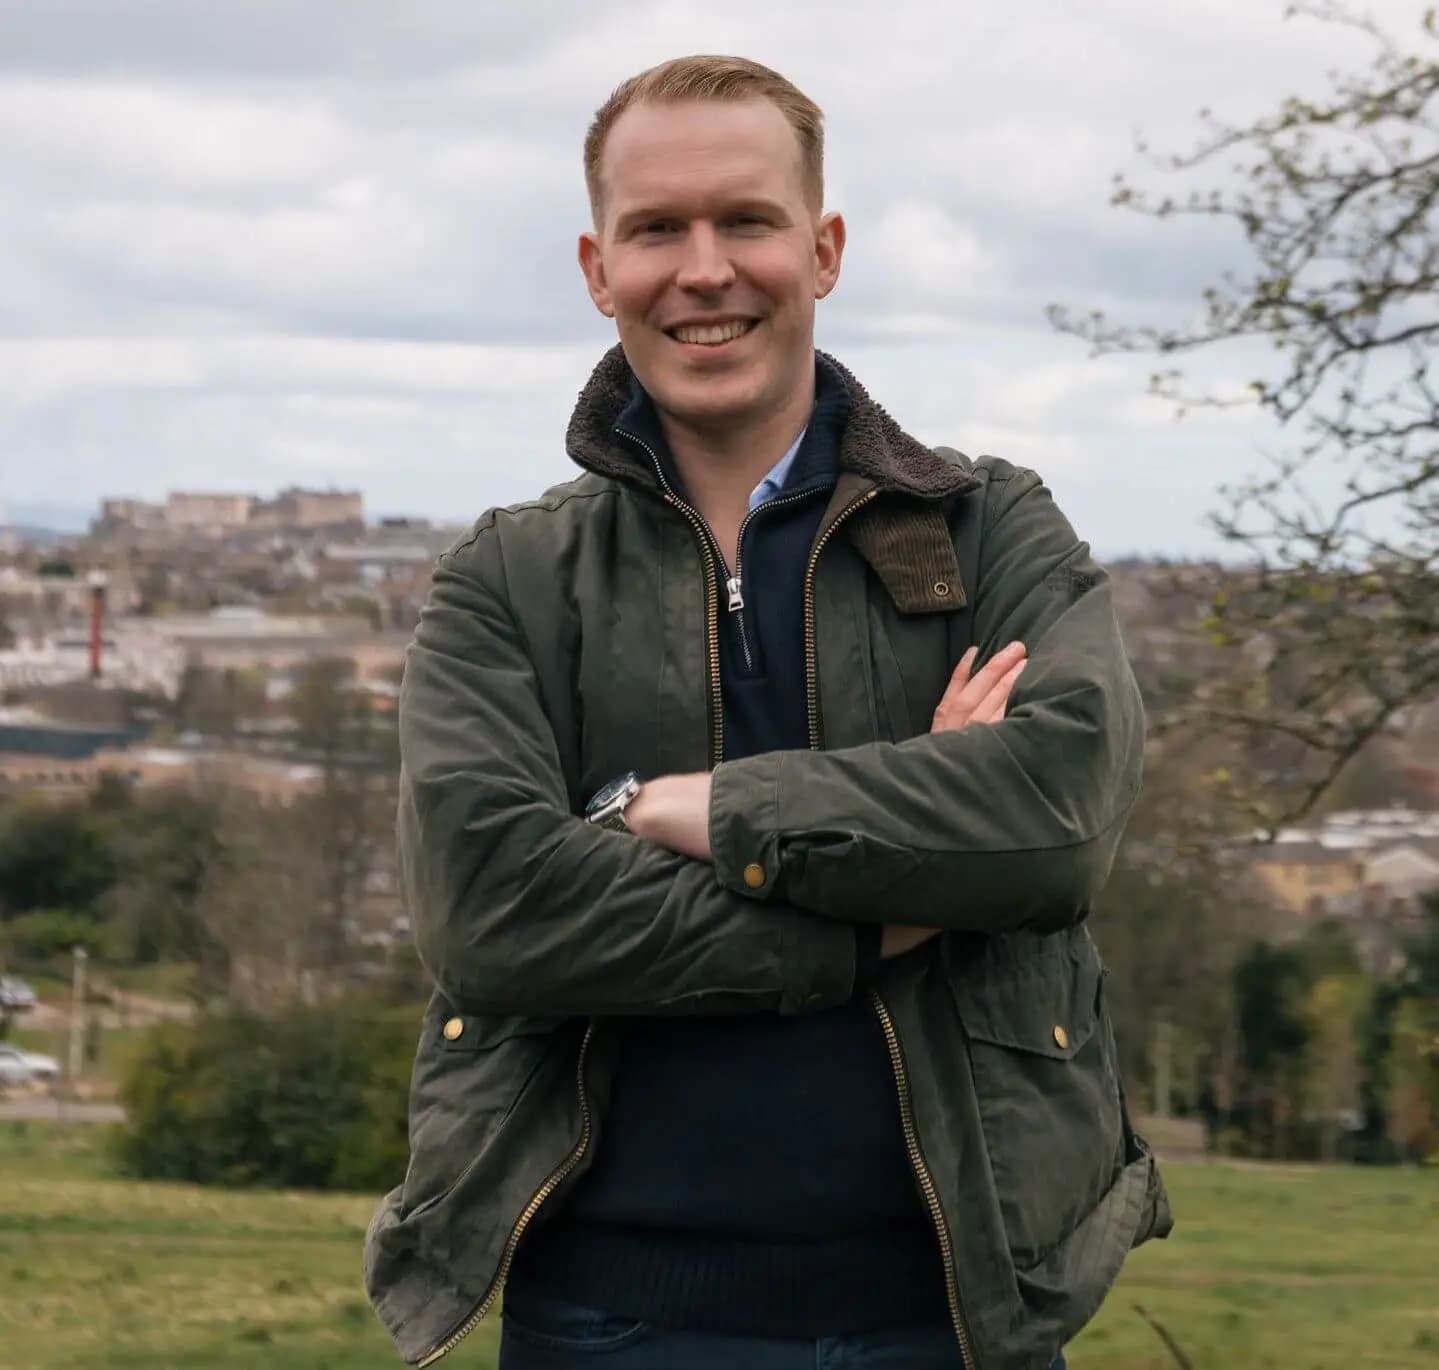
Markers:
(992, 828)
(518, 905)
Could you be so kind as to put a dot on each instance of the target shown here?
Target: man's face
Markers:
(706, 227)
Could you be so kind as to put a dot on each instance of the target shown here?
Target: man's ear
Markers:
(829, 238)
(592, 263)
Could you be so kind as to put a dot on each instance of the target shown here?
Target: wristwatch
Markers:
(608, 806)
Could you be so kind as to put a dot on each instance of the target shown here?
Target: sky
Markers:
(254, 243)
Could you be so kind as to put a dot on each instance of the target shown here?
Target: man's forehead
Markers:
(697, 191)
(744, 147)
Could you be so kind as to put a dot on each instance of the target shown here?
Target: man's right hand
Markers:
(981, 698)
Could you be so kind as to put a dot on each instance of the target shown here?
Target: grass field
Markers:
(118, 1049)
(1296, 1268)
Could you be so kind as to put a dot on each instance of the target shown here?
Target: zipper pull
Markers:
(736, 599)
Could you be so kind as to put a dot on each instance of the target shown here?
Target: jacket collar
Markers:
(872, 445)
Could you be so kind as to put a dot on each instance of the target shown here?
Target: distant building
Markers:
(1369, 869)
(117, 514)
(297, 508)
(207, 511)
(217, 513)
(271, 779)
(1303, 876)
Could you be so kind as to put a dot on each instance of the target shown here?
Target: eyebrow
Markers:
(753, 205)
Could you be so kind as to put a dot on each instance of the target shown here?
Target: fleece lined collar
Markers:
(872, 444)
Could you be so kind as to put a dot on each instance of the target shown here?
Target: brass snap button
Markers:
(453, 1028)
(754, 875)
(1061, 1038)
(941, 587)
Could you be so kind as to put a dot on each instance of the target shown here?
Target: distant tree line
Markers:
(260, 898)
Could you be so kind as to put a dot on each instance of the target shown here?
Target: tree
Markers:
(1269, 987)
(1413, 1080)
(1333, 1010)
(261, 901)
(162, 844)
(352, 815)
(305, 1097)
(53, 856)
(1332, 624)
(213, 702)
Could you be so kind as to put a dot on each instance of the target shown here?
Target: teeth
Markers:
(712, 333)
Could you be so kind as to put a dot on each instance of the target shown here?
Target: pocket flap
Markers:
(1048, 1008)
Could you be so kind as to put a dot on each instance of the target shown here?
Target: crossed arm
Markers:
(674, 810)
(521, 907)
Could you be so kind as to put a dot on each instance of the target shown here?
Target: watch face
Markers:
(608, 794)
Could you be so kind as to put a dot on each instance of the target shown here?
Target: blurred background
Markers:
(290, 299)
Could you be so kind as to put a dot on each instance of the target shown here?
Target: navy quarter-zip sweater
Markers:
(752, 1176)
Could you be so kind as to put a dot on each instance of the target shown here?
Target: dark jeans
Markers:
(544, 1333)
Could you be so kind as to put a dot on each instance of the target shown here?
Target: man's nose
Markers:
(706, 266)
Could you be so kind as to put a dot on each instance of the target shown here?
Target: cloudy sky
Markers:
(250, 243)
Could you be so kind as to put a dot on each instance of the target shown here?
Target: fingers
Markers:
(967, 694)
(991, 708)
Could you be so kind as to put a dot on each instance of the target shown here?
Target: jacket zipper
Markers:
(711, 553)
(556, 1178)
(886, 1023)
(926, 1181)
(811, 670)
(713, 559)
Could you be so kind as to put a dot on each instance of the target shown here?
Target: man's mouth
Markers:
(712, 335)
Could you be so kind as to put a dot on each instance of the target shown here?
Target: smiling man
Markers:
(750, 874)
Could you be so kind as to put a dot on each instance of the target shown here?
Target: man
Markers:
(751, 876)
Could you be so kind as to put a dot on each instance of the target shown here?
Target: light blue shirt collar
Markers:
(773, 483)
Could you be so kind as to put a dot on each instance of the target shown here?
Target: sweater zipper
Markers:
(556, 1178)
(734, 584)
(881, 1009)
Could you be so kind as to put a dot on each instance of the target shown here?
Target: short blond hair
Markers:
(712, 78)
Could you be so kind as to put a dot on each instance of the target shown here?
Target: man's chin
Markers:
(706, 401)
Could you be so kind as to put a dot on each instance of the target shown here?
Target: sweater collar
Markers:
(816, 462)
(870, 443)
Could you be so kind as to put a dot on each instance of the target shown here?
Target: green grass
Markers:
(1291, 1267)
(100, 1273)
(163, 980)
(1296, 1268)
(118, 1049)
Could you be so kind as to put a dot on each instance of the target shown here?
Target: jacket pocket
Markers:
(470, 1071)
(1047, 1093)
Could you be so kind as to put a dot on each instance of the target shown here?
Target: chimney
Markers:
(98, 581)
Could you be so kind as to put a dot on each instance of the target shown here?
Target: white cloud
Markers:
(143, 136)
(925, 249)
(285, 248)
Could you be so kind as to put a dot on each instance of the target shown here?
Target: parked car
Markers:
(24, 1067)
(15, 993)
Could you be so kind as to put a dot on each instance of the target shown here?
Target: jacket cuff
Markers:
(743, 822)
(819, 962)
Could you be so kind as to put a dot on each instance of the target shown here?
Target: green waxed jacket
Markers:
(568, 640)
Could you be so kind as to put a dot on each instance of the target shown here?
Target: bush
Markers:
(49, 934)
(312, 1098)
